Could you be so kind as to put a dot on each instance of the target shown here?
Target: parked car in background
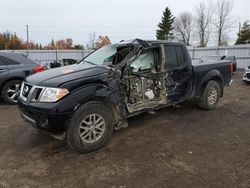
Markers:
(232, 59)
(246, 76)
(14, 68)
(61, 63)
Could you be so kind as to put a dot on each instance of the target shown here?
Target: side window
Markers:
(8, 61)
(180, 56)
(171, 57)
(144, 62)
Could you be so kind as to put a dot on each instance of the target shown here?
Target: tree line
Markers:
(10, 41)
(211, 22)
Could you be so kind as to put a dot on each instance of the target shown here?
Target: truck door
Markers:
(178, 73)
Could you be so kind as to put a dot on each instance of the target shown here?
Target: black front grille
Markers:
(36, 94)
(30, 93)
(26, 90)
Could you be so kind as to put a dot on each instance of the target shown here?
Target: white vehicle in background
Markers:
(246, 76)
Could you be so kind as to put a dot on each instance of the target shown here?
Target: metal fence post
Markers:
(193, 54)
(82, 54)
(56, 56)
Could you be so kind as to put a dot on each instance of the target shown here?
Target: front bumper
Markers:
(246, 79)
(48, 119)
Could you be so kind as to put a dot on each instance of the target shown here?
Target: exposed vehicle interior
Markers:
(145, 83)
(156, 75)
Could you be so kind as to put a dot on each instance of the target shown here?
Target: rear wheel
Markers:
(10, 91)
(210, 96)
(90, 127)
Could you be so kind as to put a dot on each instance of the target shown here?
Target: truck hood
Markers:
(58, 76)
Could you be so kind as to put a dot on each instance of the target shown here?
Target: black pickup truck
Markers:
(85, 102)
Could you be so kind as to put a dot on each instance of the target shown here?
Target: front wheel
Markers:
(90, 127)
(210, 96)
(10, 91)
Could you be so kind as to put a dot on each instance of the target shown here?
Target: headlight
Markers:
(53, 94)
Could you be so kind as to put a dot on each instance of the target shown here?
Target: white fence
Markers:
(242, 54)
(46, 56)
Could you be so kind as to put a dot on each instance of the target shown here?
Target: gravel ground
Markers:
(176, 147)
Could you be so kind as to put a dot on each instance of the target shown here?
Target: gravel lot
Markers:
(176, 147)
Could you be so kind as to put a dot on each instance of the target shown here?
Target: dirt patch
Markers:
(176, 147)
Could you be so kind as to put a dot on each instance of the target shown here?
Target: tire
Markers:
(10, 91)
(80, 124)
(210, 96)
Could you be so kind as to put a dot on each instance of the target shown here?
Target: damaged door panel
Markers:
(144, 81)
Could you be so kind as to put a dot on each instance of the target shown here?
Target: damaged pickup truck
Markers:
(85, 102)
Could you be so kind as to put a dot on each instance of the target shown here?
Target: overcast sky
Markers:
(117, 19)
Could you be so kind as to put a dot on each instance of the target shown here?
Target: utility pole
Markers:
(27, 31)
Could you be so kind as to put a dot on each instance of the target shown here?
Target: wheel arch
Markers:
(213, 75)
(10, 79)
(113, 107)
(105, 95)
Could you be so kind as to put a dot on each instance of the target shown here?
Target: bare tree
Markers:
(92, 40)
(223, 21)
(183, 26)
(204, 13)
(102, 41)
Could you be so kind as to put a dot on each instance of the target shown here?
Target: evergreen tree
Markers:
(52, 43)
(165, 26)
(244, 34)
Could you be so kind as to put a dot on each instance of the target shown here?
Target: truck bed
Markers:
(203, 69)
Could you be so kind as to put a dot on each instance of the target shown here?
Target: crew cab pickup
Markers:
(85, 102)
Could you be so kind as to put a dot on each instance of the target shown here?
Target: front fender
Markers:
(91, 91)
(105, 94)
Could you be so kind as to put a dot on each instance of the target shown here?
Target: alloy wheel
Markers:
(92, 128)
(13, 92)
(212, 96)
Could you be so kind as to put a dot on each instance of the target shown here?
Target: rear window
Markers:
(16, 58)
(8, 61)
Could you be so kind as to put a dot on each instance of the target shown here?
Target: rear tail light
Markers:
(231, 68)
(38, 68)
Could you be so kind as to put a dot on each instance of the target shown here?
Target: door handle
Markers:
(2, 70)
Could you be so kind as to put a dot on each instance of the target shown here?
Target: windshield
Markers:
(102, 56)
